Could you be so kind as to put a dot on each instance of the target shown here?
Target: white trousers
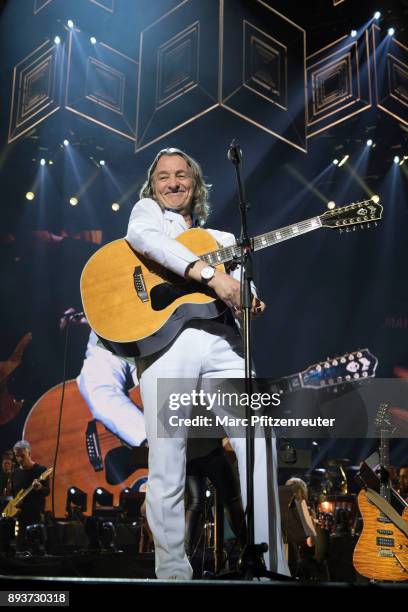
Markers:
(206, 349)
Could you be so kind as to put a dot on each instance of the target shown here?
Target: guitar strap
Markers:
(382, 504)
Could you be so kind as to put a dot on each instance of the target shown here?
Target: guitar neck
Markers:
(385, 487)
(263, 241)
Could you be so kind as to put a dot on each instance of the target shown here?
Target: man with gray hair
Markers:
(27, 474)
(174, 199)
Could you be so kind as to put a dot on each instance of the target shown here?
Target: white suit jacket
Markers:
(152, 231)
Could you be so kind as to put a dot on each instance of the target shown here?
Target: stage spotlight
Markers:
(343, 161)
(375, 199)
(107, 536)
(66, 143)
(102, 162)
(353, 33)
(377, 15)
(331, 205)
(42, 162)
(57, 40)
(115, 206)
(391, 31)
(403, 160)
(369, 142)
(73, 201)
(50, 162)
(396, 159)
(30, 195)
(36, 538)
(130, 502)
(76, 501)
(70, 23)
(335, 162)
(93, 40)
(102, 497)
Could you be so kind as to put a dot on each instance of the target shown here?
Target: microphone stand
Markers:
(251, 562)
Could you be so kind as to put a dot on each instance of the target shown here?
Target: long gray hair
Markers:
(200, 205)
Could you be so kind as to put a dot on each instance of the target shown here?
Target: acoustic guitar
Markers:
(137, 307)
(90, 456)
(381, 552)
(14, 505)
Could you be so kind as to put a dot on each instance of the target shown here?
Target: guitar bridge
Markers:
(140, 285)
(92, 446)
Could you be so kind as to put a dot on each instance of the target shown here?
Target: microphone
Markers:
(77, 315)
(235, 152)
(71, 314)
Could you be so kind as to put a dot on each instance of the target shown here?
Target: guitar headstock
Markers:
(361, 214)
(350, 367)
(47, 473)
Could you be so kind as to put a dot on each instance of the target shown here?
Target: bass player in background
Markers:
(28, 474)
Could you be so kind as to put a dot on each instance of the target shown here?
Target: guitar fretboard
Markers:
(385, 487)
(233, 253)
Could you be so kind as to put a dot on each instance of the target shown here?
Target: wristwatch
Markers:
(207, 273)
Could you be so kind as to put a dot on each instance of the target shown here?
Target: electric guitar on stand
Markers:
(381, 552)
(137, 307)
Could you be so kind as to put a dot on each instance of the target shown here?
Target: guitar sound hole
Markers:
(165, 294)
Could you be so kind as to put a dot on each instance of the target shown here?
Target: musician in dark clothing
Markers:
(26, 475)
(7, 467)
(206, 458)
(403, 482)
